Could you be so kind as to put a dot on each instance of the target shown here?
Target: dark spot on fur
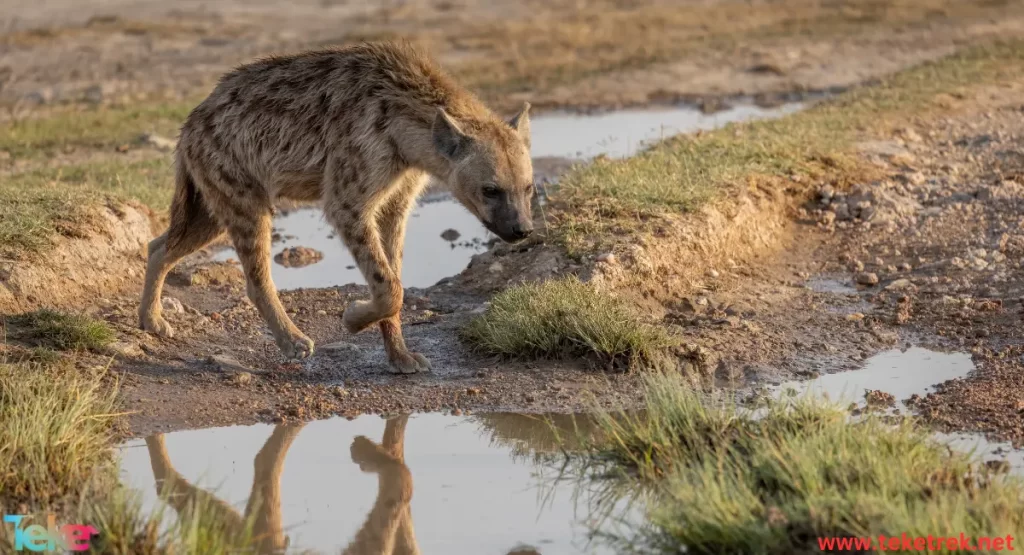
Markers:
(378, 277)
(397, 152)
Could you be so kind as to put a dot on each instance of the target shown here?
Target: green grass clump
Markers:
(62, 331)
(56, 431)
(567, 318)
(730, 481)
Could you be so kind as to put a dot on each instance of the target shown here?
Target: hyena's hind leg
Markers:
(192, 227)
(248, 215)
(391, 220)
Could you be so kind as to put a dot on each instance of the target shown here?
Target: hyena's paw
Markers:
(296, 347)
(368, 455)
(360, 315)
(156, 325)
(409, 363)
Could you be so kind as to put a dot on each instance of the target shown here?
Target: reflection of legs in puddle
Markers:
(264, 505)
(388, 528)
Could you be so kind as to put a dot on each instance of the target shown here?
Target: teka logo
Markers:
(70, 537)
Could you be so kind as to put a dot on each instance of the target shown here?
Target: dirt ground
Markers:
(941, 233)
(580, 54)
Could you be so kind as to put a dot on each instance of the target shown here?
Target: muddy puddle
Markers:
(901, 373)
(443, 236)
(478, 484)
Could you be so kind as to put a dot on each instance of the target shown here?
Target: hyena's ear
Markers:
(448, 137)
(521, 123)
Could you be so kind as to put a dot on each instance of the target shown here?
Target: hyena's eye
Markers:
(490, 191)
(529, 190)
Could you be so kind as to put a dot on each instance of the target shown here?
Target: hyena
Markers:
(360, 129)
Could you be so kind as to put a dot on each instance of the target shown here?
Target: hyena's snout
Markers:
(513, 224)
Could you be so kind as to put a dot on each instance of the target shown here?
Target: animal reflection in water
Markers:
(388, 528)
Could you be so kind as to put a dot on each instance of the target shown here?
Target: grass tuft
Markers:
(56, 431)
(57, 456)
(567, 318)
(728, 481)
(62, 331)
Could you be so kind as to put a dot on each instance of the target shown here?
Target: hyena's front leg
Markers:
(354, 214)
(391, 220)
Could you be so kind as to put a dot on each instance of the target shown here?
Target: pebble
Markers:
(899, 285)
(867, 278)
(226, 363)
(297, 257)
(171, 304)
(608, 258)
(241, 378)
(158, 142)
(496, 268)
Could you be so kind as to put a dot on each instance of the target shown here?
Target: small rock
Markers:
(297, 257)
(879, 398)
(899, 285)
(339, 392)
(909, 135)
(450, 235)
(156, 141)
(127, 349)
(171, 304)
(712, 273)
(855, 317)
(607, 258)
(321, 312)
(496, 268)
(226, 363)
(856, 265)
(867, 278)
(473, 391)
(241, 378)
(457, 412)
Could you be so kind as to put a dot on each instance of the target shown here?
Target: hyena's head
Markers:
(491, 170)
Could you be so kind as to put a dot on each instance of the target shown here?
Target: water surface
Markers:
(476, 485)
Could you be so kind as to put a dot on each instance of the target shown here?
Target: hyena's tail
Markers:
(190, 217)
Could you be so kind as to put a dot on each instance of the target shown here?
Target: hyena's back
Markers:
(271, 124)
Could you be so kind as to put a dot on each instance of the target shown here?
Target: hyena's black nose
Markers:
(521, 232)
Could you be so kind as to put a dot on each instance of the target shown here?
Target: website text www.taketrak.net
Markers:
(906, 542)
